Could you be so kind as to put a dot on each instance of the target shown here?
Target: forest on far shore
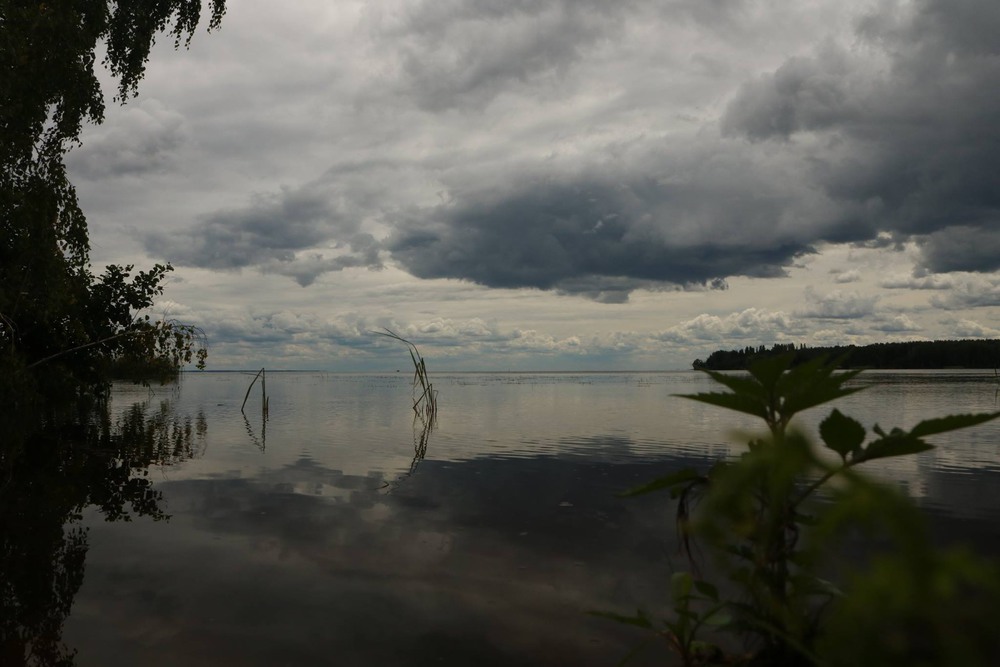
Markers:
(978, 353)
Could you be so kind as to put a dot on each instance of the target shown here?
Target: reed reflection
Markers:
(422, 429)
(47, 479)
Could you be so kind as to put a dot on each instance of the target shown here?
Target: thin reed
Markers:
(424, 404)
(265, 402)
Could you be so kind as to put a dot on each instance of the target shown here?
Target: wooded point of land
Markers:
(979, 353)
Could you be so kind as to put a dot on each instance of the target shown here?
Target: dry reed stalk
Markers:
(265, 400)
(425, 404)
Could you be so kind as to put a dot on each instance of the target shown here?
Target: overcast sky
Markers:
(561, 184)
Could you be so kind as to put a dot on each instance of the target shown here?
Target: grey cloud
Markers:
(905, 150)
(972, 329)
(462, 54)
(850, 276)
(884, 240)
(898, 324)
(962, 249)
(269, 233)
(912, 147)
(902, 151)
(918, 281)
(141, 140)
(838, 305)
(805, 93)
(971, 292)
(603, 234)
(306, 269)
(465, 52)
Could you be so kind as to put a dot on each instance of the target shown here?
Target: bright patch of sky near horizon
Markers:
(557, 184)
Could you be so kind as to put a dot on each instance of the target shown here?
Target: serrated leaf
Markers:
(813, 383)
(768, 370)
(951, 423)
(667, 482)
(818, 395)
(740, 384)
(737, 402)
(896, 443)
(842, 434)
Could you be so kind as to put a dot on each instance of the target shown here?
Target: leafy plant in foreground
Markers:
(776, 520)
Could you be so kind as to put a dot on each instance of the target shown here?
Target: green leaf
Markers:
(810, 384)
(668, 482)
(680, 585)
(707, 589)
(639, 620)
(896, 443)
(718, 618)
(767, 371)
(842, 434)
(826, 587)
(737, 402)
(740, 384)
(950, 423)
(821, 390)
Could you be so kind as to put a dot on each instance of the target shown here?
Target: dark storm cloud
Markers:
(963, 249)
(912, 144)
(892, 140)
(268, 234)
(596, 237)
(908, 145)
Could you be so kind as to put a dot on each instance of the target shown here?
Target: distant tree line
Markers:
(906, 355)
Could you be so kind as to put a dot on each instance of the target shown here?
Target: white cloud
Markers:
(971, 329)
(897, 324)
(971, 291)
(847, 276)
(934, 281)
(837, 305)
(749, 324)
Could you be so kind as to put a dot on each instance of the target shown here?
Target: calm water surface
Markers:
(340, 532)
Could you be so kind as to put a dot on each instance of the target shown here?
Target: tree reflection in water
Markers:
(46, 481)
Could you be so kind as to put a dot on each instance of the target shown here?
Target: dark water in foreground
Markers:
(341, 532)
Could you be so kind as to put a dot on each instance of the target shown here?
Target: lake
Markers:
(342, 531)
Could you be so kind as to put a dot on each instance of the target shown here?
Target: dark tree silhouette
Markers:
(976, 353)
(61, 327)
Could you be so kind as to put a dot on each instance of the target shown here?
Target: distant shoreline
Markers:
(911, 355)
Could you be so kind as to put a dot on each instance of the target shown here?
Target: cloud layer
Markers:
(692, 171)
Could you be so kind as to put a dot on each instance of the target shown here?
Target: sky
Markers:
(560, 184)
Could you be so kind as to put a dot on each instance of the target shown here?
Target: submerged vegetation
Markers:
(778, 522)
